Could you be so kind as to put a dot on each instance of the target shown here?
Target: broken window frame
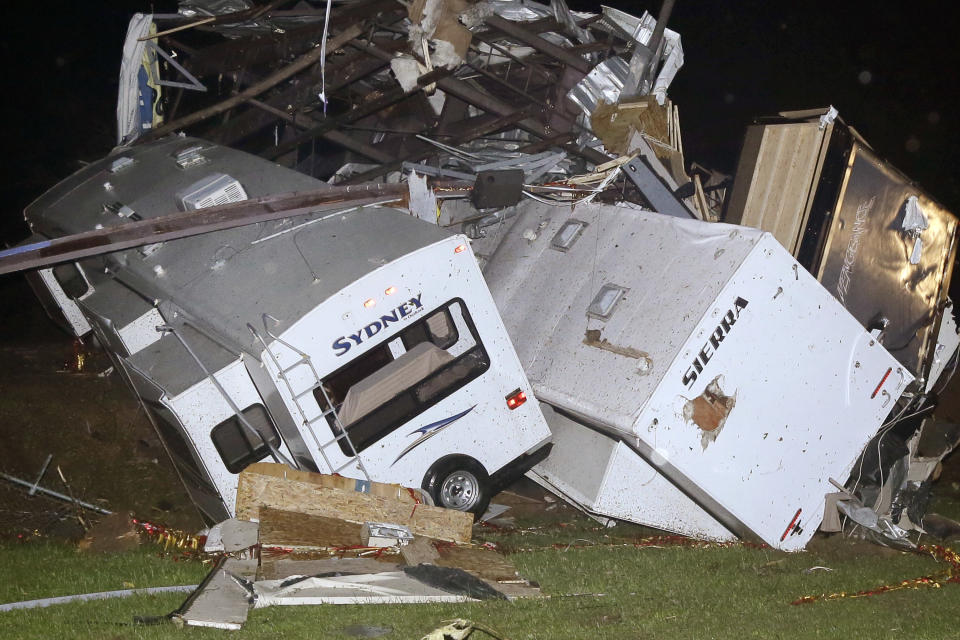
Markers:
(419, 396)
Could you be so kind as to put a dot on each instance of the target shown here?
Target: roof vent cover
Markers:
(214, 190)
(606, 300)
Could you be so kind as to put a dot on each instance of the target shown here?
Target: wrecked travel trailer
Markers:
(700, 344)
(703, 346)
(362, 343)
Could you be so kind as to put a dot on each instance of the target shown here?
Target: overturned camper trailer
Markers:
(362, 342)
(725, 386)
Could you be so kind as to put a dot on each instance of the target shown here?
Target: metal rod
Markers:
(270, 81)
(56, 494)
(43, 470)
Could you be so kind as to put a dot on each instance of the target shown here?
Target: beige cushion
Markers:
(391, 380)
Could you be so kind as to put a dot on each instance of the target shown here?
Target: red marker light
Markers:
(516, 399)
(369, 303)
(390, 291)
(460, 248)
(882, 380)
(790, 526)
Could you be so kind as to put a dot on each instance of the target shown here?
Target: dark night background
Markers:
(890, 69)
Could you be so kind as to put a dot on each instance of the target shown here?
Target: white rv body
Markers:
(228, 337)
(186, 412)
(61, 308)
(608, 479)
(742, 381)
(420, 283)
(121, 318)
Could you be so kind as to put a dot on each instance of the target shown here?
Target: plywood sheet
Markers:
(256, 490)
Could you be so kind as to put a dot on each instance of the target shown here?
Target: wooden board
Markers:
(616, 123)
(256, 490)
(395, 491)
(418, 551)
(299, 530)
(481, 562)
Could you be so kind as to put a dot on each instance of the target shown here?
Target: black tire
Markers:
(459, 483)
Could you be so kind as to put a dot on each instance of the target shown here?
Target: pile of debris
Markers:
(306, 539)
(374, 89)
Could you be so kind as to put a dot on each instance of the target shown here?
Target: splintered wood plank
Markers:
(294, 529)
(493, 568)
(483, 563)
(256, 490)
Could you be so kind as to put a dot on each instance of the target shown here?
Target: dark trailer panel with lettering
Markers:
(877, 241)
(886, 256)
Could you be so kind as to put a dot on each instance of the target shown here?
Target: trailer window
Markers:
(188, 464)
(71, 280)
(237, 447)
(174, 437)
(409, 372)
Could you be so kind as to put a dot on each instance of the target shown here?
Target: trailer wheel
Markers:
(459, 483)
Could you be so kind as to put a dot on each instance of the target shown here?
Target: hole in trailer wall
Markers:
(709, 410)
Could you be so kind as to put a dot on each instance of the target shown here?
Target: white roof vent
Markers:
(214, 190)
(568, 234)
(191, 156)
(606, 299)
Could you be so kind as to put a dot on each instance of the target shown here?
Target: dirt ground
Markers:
(90, 423)
(93, 427)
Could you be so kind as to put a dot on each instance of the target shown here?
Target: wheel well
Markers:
(447, 462)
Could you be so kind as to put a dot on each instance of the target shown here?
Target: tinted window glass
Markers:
(237, 446)
(402, 377)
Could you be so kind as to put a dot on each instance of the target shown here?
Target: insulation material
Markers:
(438, 21)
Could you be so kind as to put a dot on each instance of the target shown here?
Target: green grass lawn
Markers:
(647, 592)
